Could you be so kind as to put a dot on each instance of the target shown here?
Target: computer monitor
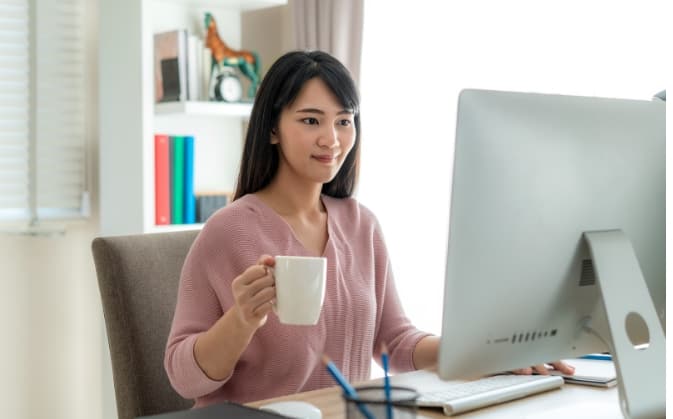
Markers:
(557, 215)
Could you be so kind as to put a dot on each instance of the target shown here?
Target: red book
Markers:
(162, 209)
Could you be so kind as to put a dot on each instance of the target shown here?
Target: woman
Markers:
(297, 175)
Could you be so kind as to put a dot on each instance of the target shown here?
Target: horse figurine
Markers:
(246, 61)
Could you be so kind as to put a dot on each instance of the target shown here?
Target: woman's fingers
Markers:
(252, 281)
(254, 290)
(251, 274)
(563, 367)
(541, 369)
(256, 271)
(257, 307)
(523, 371)
(266, 260)
(264, 308)
(263, 296)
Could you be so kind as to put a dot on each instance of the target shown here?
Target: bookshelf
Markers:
(173, 227)
(129, 118)
(234, 110)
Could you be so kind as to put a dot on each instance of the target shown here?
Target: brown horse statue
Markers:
(246, 61)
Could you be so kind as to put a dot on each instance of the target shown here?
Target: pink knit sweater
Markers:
(360, 312)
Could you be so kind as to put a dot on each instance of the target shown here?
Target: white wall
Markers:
(52, 328)
(417, 59)
(50, 313)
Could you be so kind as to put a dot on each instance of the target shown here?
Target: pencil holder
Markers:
(371, 403)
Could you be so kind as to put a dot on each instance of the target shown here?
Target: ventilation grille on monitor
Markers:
(525, 337)
(588, 276)
(532, 336)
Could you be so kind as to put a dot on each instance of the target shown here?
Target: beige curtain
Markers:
(333, 26)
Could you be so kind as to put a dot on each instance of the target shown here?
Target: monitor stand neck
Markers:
(641, 372)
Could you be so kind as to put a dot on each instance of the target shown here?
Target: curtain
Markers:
(333, 26)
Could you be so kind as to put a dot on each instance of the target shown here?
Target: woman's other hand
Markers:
(254, 292)
(542, 369)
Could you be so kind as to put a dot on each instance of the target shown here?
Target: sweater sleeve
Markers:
(197, 309)
(394, 327)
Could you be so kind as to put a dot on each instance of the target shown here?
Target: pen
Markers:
(386, 380)
(600, 357)
(345, 385)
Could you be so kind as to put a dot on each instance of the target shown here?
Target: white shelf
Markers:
(240, 5)
(174, 227)
(203, 108)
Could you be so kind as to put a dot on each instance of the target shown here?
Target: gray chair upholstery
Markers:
(138, 278)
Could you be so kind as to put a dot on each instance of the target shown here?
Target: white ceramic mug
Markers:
(300, 288)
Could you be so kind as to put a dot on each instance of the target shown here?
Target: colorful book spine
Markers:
(162, 211)
(177, 179)
(189, 199)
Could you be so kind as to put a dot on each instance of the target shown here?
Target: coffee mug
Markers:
(300, 288)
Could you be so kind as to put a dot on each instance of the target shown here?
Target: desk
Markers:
(576, 401)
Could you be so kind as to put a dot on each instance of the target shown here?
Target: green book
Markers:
(177, 180)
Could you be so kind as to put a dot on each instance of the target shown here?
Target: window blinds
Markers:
(42, 126)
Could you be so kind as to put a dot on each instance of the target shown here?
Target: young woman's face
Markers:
(314, 134)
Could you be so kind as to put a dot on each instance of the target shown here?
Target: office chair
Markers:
(138, 278)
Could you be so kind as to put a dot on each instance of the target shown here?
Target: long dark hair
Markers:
(279, 89)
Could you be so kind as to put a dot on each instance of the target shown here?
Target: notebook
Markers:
(591, 372)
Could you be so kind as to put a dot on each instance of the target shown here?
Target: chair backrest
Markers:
(138, 278)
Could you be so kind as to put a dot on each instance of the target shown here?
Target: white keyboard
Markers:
(457, 398)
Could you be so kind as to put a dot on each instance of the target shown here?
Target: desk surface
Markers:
(572, 400)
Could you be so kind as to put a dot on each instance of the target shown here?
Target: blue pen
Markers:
(386, 380)
(345, 385)
(600, 357)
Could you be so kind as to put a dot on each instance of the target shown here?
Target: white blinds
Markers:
(42, 127)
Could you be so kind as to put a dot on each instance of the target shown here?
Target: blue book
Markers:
(189, 198)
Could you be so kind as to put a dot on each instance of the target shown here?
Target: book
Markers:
(170, 66)
(206, 68)
(193, 72)
(162, 214)
(207, 204)
(592, 372)
(199, 68)
(189, 199)
(177, 179)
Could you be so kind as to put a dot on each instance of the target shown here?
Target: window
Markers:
(42, 126)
